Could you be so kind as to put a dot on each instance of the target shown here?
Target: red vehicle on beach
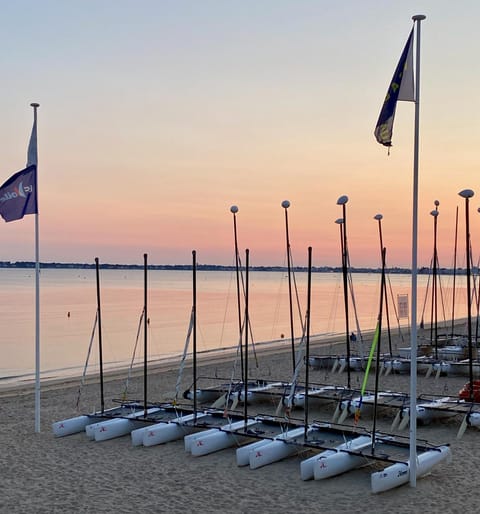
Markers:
(464, 393)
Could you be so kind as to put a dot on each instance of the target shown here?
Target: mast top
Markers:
(466, 193)
(233, 209)
(34, 105)
(418, 17)
(378, 217)
(285, 204)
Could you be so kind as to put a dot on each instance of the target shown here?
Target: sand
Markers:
(44, 474)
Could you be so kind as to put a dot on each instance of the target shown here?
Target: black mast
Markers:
(145, 331)
(194, 319)
(100, 349)
(307, 352)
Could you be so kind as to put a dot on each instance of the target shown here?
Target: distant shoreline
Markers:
(219, 267)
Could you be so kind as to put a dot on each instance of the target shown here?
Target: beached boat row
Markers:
(260, 440)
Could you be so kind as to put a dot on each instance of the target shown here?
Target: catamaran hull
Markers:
(207, 442)
(243, 453)
(72, 425)
(137, 436)
(272, 452)
(335, 462)
(399, 474)
(115, 428)
(166, 432)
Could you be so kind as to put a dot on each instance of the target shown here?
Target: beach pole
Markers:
(32, 158)
(413, 333)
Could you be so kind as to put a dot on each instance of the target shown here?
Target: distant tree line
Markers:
(216, 267)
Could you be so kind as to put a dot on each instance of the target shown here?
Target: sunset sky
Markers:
(156, 116)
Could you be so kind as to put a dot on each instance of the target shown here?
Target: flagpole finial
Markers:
(34, 105)
(418, 17)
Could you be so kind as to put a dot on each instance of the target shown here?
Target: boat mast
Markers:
(434, 315)
(343, 236)
(286, 205)
(379, 218)
(377, 367)
(145, 331)
(245, 380)
(234, 210)
(307, 351)
(467, 194)
(100, 346)
(454, 270)
(194, 320)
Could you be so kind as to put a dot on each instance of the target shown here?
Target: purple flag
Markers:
(18, 195)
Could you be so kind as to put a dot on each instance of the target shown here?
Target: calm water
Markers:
(65, 338)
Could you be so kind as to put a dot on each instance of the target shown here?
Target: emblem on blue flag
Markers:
(401, 88)
(18, 195)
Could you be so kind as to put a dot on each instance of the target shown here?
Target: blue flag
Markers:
(401, 88)
(18, 195)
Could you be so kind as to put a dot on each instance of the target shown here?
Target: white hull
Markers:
(79, 423)
(474, 419)
(275, 450)
(207, 442)
(399, 474)
(203, 395)
(335, 462)
(166, 432)
(137, 436)
(116, 427)
(72, 425)
(243, 453)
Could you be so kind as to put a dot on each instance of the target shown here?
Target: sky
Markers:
(157, 116)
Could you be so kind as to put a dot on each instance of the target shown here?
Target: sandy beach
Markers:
(44, 474)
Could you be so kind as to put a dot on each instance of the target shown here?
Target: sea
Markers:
(68, 309)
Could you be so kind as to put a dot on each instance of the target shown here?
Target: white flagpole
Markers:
(413, 334)
(32, 149)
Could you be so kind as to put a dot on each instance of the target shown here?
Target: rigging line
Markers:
(226, 308)
(296, 293)
(234, 368)
(352, 296)
(442, 302)
(250, 330)
(82, 382)
(299, 363)
(426, 292)
(184, 355)
(394, 306)
(125, 391)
